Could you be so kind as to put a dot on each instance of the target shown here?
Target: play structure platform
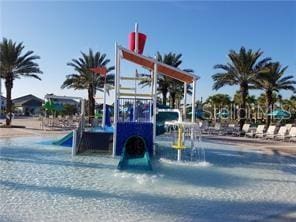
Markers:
(96, 142)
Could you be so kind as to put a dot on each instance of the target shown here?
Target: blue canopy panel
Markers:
(127, 129)
(134, 142)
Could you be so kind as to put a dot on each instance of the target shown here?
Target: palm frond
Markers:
(14, 61)
(84, 78)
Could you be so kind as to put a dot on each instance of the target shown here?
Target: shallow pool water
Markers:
(42, 182)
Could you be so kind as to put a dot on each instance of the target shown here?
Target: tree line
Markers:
(247, 69)
(223, 107)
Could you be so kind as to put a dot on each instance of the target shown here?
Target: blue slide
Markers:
(142, 163)
(135, 155)
(65, 141)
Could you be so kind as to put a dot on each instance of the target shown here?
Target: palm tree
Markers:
(251, 101)
(179, 94)
(237, 99)
(289, 104)
(14, 64)
(217, 101)
(176, 90)
(166, 84)
(241, 71)
(272, 81)
(261, 100)
(84, 78)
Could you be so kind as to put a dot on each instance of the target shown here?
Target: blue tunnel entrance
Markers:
(135, 147)
(135, 154)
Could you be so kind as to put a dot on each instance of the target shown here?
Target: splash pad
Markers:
(184, 132)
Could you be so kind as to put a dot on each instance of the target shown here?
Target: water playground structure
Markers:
(135, 124)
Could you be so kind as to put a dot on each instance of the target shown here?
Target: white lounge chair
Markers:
(258, 133)
(270, 132)
(293, 139)
(244, 130)
(216, 129)
(292, 134)
(281, 133)
(288, 126)
(204, 126)
(230, 129)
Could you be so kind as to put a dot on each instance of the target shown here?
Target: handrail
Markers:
(127, 88)
(134, 78)
(135, 94)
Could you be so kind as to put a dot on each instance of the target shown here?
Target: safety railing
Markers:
(134, 110)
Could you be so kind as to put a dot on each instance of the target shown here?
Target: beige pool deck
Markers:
(269, 146)
(30, 127)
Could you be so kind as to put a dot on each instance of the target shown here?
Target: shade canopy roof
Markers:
(162, 68)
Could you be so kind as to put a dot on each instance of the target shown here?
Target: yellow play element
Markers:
(180, 140)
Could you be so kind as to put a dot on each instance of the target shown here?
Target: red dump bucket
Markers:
(141, 41)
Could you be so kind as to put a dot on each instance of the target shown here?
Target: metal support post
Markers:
(154, 104)
(185, 99)
(117, 76)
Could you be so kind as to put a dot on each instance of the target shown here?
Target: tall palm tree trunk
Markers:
(164, 97)
(242, 111)
(268, 107)
(8, 86)
(91, 104)
(173, 95)
(178, 103)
